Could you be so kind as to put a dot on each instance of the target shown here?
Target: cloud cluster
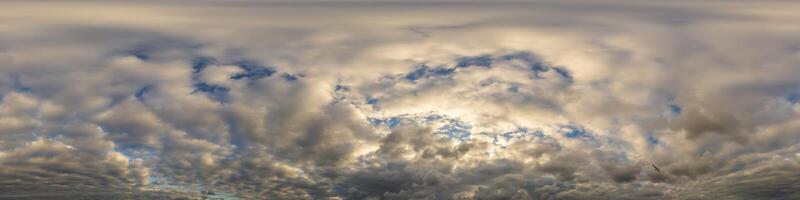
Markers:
(546, 100)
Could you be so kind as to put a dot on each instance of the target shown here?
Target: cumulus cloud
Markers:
(537, 100)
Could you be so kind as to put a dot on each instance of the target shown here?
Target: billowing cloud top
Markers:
(546, 100)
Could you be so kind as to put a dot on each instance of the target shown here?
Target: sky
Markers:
(399, 100)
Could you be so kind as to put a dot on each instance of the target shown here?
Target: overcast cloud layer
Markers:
(399, 101)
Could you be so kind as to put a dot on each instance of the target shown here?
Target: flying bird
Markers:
(657, 169)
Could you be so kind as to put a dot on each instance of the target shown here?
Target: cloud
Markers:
(507, 100)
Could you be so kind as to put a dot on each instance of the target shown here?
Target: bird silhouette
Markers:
(657, 169)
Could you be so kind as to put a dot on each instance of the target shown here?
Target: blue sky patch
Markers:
(390, 122)
(205, 87)
(432, 118)
(441, 124)
(416, 74)
(248, 64)
(651, 138)
(291, 77)
(572, 131)
(139, 54)
(425, 71)
(481, 61)
(253, 74)
(534, 63)
(456, 129)
(563, 73)
(538, 68)
(252, 70)
(523, 56)
(200, 63)
(793, 98)
(216, 92)
(372, 101)
(522, 132)
(675, 109)
(140, 94)
(441, 71)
